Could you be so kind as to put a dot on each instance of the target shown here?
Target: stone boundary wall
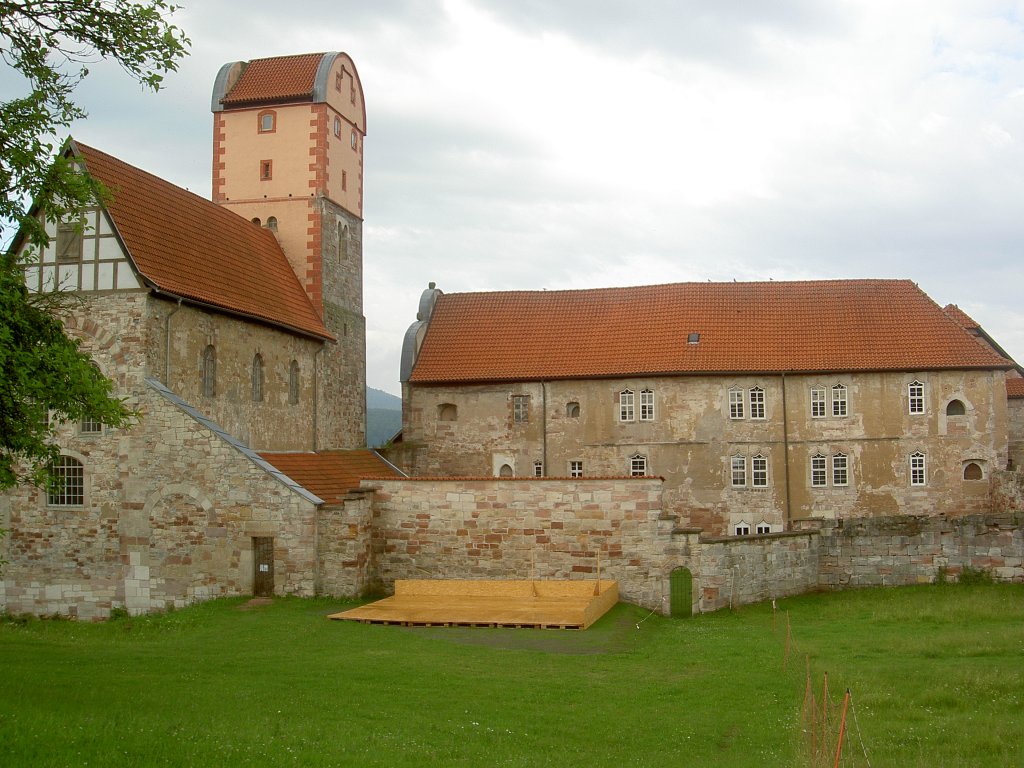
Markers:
(525, 528)
(903, 550)
(739, 571)
(344, 535)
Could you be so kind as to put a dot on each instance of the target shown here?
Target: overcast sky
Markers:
(535, 144)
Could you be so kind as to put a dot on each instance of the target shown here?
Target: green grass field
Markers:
(936, 674)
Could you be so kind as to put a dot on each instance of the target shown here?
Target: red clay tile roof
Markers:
(283, 78)
(832, 325)
(330, 474)
(1015, 387)
(960, 317)
(187, 246)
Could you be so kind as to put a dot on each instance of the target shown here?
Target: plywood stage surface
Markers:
(479, 603)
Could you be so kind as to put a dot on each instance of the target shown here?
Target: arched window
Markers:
(67, 483)
(505, 471)
(267, 121)
(638, 465)
(257, 222)
(208, 371)
(272, 223)
(293, 383)
(956, 408)
(257, 378)
(973, 471)
(572, 410)
(447, 412)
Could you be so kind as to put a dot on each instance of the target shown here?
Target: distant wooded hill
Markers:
(383, 416)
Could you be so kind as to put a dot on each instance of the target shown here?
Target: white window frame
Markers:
(818, 402)
(759, 471)
(575, 468)
(738, 471)
(638, 465)
(757, 403)
(627, 410)
(819, 471)
(646, 405)
(915, 398)
(918, 468)
(736, 404)
(521, 409)
(762, 528)
(839, 400)
(840, 470)
(538, 469)
(89, 426)
(741, 529)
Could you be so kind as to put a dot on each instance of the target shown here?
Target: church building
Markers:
(235, 327)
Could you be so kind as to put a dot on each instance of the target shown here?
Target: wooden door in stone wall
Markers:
(263, 566)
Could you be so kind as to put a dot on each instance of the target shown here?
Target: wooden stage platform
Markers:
(469, 603)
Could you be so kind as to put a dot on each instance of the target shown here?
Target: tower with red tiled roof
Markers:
(288, 155)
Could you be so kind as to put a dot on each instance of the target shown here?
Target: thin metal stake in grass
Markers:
(842, 728)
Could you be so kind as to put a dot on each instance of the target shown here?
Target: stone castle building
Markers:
(577, 432)
(236, 328)
(757, 403)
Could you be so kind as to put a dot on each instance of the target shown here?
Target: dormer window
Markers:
(267, 121)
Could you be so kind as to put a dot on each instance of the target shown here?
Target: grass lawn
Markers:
(936, 674)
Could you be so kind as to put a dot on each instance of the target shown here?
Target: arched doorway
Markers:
(681, 593)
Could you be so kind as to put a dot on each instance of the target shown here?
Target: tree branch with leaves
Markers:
(50, 44)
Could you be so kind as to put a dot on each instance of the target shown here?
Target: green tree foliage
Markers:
(49, 43)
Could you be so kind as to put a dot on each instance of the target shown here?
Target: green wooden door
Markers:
(681, 592)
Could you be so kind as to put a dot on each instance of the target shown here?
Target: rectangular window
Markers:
(840, 470)
(818, 478)
(915, 397)
(521, 408)
(738, 466)
(646, 405)
(763, 528)
(918, 469)
(742, 529)
(757, 403)
(838, 400)
(818, 403)
(68, 489)
(344, 181)
(575, 469)
(90, 427)
(759, 471)
(538, 469)
(735, 403)
(266, 170)
(626, 405)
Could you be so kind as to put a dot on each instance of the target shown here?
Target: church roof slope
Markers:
(278, 79)
(1015, 388)
(331, 474)
(693, 328)
(189, 247)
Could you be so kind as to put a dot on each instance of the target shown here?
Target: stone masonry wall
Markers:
(738, 571)
(344, 546)
(520, 529)
(169, 515)
(903, 550)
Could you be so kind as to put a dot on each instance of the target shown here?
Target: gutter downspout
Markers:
(785, 449)
(316, 395)
(167, 344)
(544, 426)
